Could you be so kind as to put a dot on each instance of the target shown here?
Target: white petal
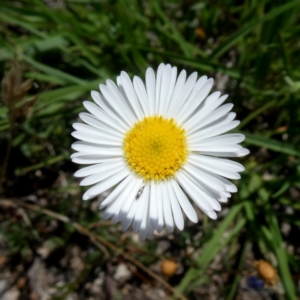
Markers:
(159, 74)
(131, 95)
(177, 93)
(123, 93)
(107, 103)
(168, 217)
(142, 94)
(160, 223)
(77, 154)
(196, 92)
(194, 192)
(126, 198)
(221, 169)
(121, 101)
(129, 218)
(104, 117)
(209, 190)
(204, 110)
(150, 228)
(243, 152)
(164, 90)
(203, 176)
(177, 213)
(230, 187)
(99, 167)
(87, 159)
(114, 206)
(96, 123)
(151, 88)
(215, 130)
(142, 206)
(100, 138)
(238, 153)
(223, 199)
(226, 194)
(116, 192)
(134, 196)
(219, 148)
(205, 191)
(90, 148)
(184, 202)
(186, 91)
(115, 105)
(92, 130)
(190, 106)
(153, 214)
(103, 174)
(105, 184)
(99, 99)
(171, 91)
(213, 116)
(227, 139)
(211, 214)
(199, 85)
(93, 135)
(224, 120)
(143, 229)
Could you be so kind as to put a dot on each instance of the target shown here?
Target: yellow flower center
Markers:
(155, 148)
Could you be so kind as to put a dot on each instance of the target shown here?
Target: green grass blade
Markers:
(185, 47)
(67, 78)
(248, 27)
(47, 163)
(237, 278)
(262, 141)
(257, 112)
(211, 247)
(274, 239)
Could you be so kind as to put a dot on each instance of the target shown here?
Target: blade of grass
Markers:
(214, 251)
(262, 141)
(44, 164)
(186, 48)
(257, 112)
(67, 78)
(273, 238)
(16, 20)
(201, 64)
(237, 278)
(282, 258)
(212, 247)
(83, 47)
(248, 27)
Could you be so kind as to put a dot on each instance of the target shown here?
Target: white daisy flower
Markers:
(158, 144)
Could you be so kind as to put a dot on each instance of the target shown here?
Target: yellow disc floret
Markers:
(155, 148)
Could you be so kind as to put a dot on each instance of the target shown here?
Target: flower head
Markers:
(158, 143)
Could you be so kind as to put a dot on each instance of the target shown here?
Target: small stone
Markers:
(168, 268)
(266, 271)
(122, 273)
(21, 283)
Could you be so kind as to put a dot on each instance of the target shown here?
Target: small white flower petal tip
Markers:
(159, 143)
